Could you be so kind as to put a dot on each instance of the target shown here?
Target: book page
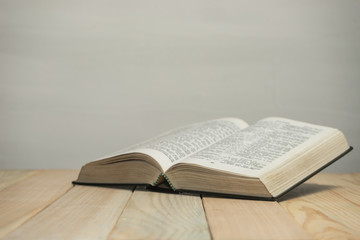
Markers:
(259, 147)
(178, 144)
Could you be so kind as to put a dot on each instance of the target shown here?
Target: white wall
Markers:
(80, 79)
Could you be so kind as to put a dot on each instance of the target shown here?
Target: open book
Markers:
(224, 156)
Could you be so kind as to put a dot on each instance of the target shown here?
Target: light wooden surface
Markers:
(43, 204)
(26, 198)
(328, 207)
(151, 215)
(250, 220)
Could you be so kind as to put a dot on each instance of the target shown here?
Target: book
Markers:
(224, 156)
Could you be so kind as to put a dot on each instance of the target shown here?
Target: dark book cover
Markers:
(165, 188)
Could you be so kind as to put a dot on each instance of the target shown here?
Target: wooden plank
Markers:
(347, 185)
(327, 206)
(24, 199)
(82, 213)
(9, 177)
(151, 215)
(249, 219)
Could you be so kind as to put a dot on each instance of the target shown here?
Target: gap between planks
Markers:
(153, 215)
(9, 177)
(24, 199)
(150, 215)
(100, 213)
(84, 212)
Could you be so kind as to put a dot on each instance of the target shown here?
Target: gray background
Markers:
(80, 79)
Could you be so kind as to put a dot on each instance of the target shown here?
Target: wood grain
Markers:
(249, 219)
(82, 213)
(151, 215)
(332, 212)
(9, 177)
(42, 204)
(24, 199)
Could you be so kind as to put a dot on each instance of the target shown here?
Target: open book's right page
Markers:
(260, 147)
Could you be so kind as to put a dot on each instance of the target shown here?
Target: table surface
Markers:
(43, 204)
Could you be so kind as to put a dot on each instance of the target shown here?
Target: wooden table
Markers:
(43, 204)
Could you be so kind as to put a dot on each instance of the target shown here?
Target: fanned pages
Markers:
(224, 156)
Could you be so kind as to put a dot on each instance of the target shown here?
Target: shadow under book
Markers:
(224, 157)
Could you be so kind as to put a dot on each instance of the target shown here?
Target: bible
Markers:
(224, 156)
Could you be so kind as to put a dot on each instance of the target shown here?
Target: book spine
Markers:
(158, 179)
(168, 180)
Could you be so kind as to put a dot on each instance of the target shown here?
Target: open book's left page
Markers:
(180, 143)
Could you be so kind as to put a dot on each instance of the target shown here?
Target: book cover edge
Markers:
(313, 173)
(214, 194)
